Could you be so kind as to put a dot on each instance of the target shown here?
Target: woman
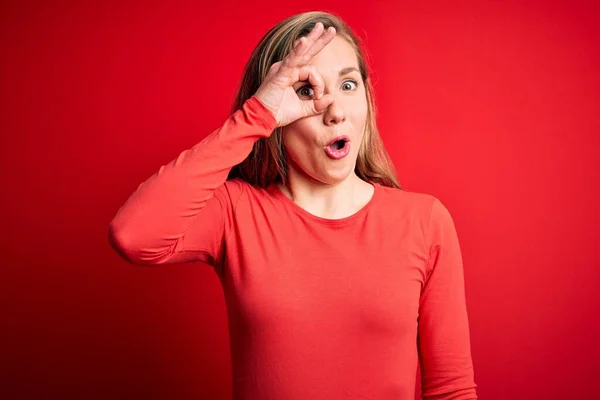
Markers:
(337, 281)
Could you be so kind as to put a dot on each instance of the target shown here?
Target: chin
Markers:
(335, 176)
(327, 174)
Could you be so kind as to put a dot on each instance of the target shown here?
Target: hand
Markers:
(276, 91)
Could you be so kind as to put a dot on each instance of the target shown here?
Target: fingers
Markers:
(309, 73)
(310, 108)
(294, 58)
(274, 68)
(314, 34)
(322, 103)
(319, 43)
(308, 46)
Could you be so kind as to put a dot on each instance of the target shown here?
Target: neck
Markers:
(332, 201)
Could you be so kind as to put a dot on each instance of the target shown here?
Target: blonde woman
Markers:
(337, 281)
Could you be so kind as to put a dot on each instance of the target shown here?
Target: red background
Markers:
(491, 106)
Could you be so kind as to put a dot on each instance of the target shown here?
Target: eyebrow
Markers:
(347, 70)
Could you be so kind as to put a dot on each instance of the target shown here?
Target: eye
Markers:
(348, 84)
(305, 91)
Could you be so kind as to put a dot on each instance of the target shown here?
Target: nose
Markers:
(334, 114)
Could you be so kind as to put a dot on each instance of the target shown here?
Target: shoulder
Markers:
(240, 190)
(235, 185)
(407, 201)
(231, 191)
(424, 209)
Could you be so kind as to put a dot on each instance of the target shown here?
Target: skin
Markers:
(323, 186)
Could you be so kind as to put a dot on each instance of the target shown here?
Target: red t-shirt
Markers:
(317, 308)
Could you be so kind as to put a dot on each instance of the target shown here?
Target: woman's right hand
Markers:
(277, 92)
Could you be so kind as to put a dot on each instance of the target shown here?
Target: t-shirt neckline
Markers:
(327, 221)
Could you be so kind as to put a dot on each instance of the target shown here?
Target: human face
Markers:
(306, 139)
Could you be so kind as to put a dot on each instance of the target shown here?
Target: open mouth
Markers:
(338, 148)
(339, 144)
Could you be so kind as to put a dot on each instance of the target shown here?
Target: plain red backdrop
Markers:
(492, 106)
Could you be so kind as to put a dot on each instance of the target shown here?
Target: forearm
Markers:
(157, 214)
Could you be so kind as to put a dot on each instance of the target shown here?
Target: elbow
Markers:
(121, 242)
(134, 248)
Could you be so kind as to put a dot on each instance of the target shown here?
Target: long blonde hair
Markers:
(267, 162)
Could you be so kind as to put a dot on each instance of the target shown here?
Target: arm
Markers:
(444, 338)
(181, 213)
